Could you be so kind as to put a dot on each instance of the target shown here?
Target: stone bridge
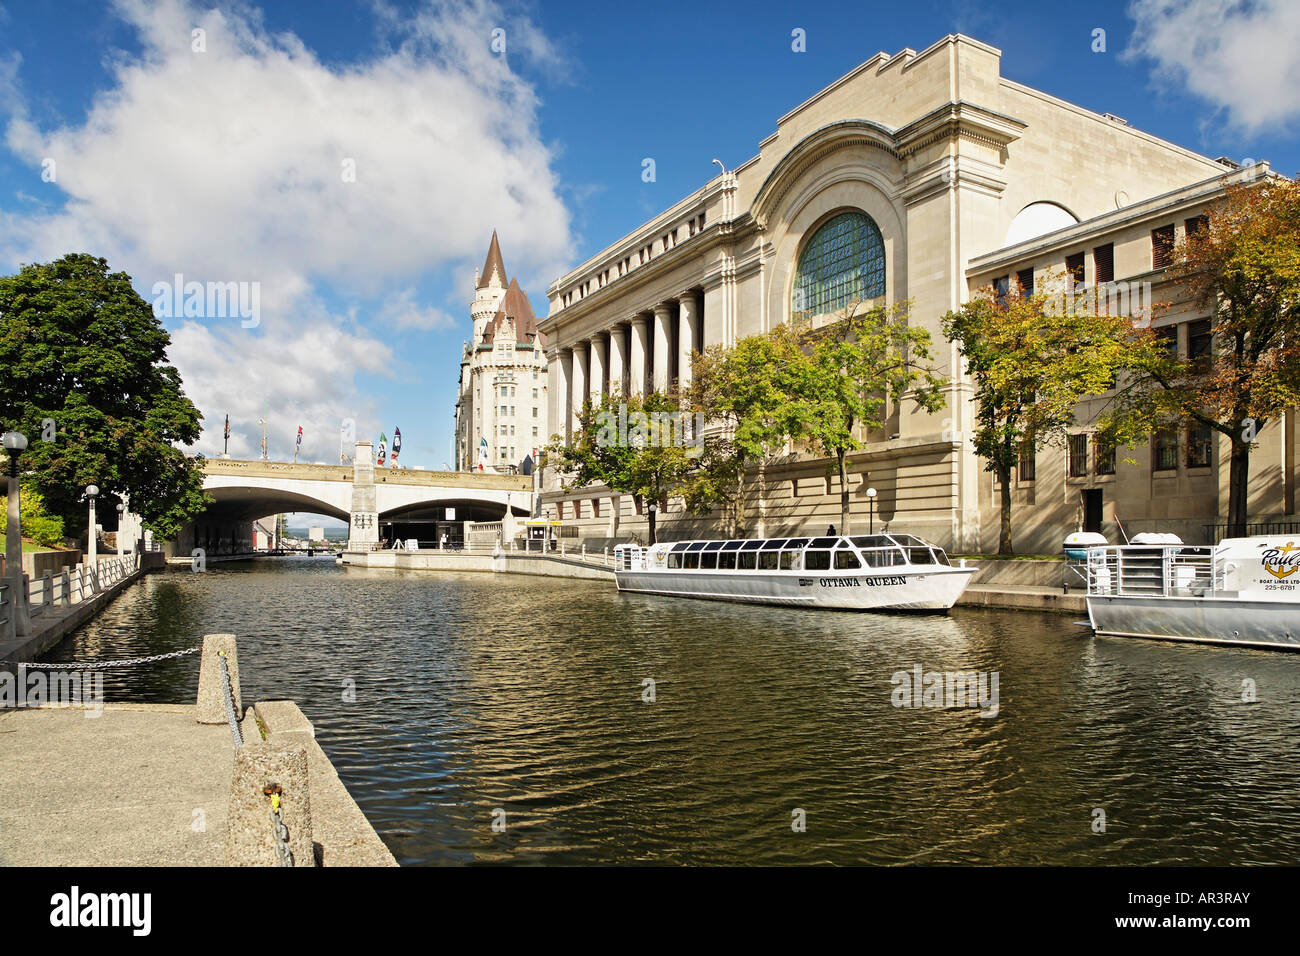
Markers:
(401, 500)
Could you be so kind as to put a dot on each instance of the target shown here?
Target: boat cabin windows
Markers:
(816, 559)
(747, 560)
(846, 560)
(727, 561)
(767, 560)
(920, 556)
(790, 560)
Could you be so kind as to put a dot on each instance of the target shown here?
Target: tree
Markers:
(752, 390)
(82, 349)
(642, 446)
(1243, 266)
(37, 523)
(853, 363)
(1031, 361)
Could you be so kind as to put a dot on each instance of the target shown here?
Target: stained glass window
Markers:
(843, 262)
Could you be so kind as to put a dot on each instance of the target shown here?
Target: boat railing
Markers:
(1157, 570)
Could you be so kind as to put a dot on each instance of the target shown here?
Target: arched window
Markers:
(843, 262)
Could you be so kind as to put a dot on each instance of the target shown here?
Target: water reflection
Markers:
(479, 692)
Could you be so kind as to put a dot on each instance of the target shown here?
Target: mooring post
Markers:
(211, 704)
(253, 833)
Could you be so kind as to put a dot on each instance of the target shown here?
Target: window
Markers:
(1166, 452)
(747, 560)
(1027, 462)
(1001, 289)
(534, 431)
(1078, 456)
(1026, 279)
(817, 561)
(1105, 459)
(767, 560)
(1103, 263)
(847, 560)
(1168, 336)
(503, 410)
(1200, 340)
(534, 411)
(534, 393)
(1074, 266)
(1162, 247)
(1196, 224)
(1199, 442)
(843, 262)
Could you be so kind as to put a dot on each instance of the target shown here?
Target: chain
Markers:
(100, 665)
(229, 699)
(279, 832)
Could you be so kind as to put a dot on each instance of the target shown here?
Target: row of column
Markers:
(617, 360)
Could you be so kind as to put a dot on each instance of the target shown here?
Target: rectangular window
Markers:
(1166, 450)
(1105, 458)
(503, 410)
(1162, 247)
(534, 393)
(1199, 442)
(1168, 338)
(1027, 462)
(1026, 279)
(1196, 224)
(1103, 263)
(1074, 266)
(1200, 341)
(1001, 286)
(534, 431)
(534, 411)
(1078, 456)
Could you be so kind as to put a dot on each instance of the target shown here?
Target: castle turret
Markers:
(489, 289)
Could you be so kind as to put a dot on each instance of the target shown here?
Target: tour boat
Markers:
(1242, 591)
(866, 572)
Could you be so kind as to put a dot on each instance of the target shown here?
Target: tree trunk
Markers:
(1004, 531)
(739, 527)
(1238, 485)
(844, 494)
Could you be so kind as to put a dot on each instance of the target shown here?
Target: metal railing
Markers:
(72, 586)
(1214, 533)
(1165, 571)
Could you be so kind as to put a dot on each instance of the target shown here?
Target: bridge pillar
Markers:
(363, 528)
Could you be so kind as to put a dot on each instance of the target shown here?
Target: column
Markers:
(579, 389)
(618, 362)
(663, 338)
(597, 384)
(640, 342)
(557, 393)
(686, 339)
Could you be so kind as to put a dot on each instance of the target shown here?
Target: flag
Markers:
(299, 436)
(383, 452)
(397, 444)
(482, 454)
(227, 426)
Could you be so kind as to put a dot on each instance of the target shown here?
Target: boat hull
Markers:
(900, 588)
(1249, 623)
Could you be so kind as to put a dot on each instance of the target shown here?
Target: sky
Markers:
(347, 161)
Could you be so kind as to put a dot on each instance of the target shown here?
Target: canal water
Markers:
(772, 735)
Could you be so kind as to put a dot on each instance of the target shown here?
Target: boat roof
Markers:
(880, 540)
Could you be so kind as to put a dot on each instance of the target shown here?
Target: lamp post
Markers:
(92, 492)
(650, 510)
(871, 509)
(15, 443)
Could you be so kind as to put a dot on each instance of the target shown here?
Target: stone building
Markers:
(501, 406)
(917, 176)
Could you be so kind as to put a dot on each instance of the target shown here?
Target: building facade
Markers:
(502, 401)
(917, 177)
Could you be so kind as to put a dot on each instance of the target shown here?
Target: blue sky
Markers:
(226, 163)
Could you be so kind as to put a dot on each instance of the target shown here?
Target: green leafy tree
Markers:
(1243, 267)
(752, 390)
(37, 524)
(1031, 360)
(852, 364)
(81, 348)
(641, 445)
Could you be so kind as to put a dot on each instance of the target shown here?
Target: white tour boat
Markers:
(864, 572)
(1241, 591)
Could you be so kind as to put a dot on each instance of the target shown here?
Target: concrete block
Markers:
(211, 707)
(250, 839)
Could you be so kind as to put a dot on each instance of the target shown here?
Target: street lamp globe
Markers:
(871, 492)
(14, 442)
(92, 490)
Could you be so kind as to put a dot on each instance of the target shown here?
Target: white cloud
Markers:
(228, 165)
(1237, 54)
